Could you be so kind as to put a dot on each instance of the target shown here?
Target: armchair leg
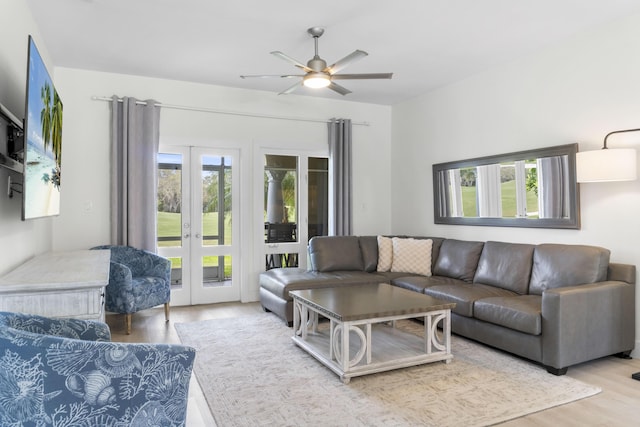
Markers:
(166, 311)
(127, 323)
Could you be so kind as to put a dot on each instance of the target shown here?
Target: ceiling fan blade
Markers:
(361, 76)
(346, 61)
(291, 60)
(340, 89)
(291, 89)
(269, 76)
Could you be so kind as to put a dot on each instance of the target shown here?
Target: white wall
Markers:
(84, 219)
(574, 92)
(19, 240)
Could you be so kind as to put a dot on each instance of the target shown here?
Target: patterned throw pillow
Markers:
(412, 256)
(385, 253)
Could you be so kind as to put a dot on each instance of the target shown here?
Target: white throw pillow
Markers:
(385, 253)
(412, 256)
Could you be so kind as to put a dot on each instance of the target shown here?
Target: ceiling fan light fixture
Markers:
(316, 80)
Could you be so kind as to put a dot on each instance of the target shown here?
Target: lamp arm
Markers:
(617, 131)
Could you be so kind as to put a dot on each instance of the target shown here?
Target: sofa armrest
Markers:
(585, 322)
(86, 330)
(120, 277)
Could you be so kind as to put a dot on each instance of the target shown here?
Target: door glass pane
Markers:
(176, 273)
(216, 271)
(280, 198)
(281, 260)
(318, 196)
(169, 200)
(216, 200)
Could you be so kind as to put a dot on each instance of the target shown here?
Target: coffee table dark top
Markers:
(349, 303)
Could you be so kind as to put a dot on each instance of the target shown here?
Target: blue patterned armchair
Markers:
(138, 280)
(67, 372)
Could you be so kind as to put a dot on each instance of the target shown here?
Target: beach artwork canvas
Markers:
(43, 131)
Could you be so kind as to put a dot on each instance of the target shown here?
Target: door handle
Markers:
(186, 235)
(197, 235)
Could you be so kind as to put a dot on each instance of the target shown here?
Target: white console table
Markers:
(58, 284)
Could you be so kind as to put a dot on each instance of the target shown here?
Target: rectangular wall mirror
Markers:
(535, 188)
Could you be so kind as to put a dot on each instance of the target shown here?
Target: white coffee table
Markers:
(369, 312)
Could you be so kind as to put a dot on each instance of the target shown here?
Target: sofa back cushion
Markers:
(458, 259)
(369, 250)
(335, 253)
(506, 266)
(557, 266)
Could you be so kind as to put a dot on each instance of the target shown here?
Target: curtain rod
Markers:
(232, 113)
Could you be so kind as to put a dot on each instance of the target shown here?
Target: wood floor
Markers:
(617, 405)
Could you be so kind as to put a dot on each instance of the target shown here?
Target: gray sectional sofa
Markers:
(558, 305)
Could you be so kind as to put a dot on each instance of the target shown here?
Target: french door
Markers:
(294, 199)
(197, 229)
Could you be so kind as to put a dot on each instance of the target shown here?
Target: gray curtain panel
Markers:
(340, 223)
(553, 187)
(135, 139)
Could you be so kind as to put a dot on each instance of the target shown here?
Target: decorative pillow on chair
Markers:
(385, 253)
(412, 256)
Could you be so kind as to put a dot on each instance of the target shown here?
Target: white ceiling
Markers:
(425, 43)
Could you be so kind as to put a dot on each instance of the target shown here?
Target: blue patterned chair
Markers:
(67, 372)
(138, 280)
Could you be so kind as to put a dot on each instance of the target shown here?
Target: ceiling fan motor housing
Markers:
(317, 64)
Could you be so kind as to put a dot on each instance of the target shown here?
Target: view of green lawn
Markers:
(169, 225)
(508, 200)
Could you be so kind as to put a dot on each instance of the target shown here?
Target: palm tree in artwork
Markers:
(56, 127)
(51, 118)
(45, 114)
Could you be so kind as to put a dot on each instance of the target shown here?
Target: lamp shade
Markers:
(606, 165)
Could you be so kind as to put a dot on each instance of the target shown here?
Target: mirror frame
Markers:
(573, 222)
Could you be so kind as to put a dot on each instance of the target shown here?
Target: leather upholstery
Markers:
(420, 283)
(506, 266)
(335, 253)
(458, 259)
(522, 313)
(279, 281)
(465, 295)
(556, 266)
(369, 249)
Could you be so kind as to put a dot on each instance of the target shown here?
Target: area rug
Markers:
(252, 374)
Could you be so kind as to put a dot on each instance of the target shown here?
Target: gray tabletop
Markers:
(350, 303)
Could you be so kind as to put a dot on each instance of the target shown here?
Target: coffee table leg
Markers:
(368, 344)
(332, 331)
(304, 316)
(297, 306)
(345, 346)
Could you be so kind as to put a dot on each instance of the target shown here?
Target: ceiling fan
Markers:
(318, 74)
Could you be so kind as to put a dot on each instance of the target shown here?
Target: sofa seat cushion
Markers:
(390, 276)
(522, 313)
(279, 281)
(420, 283)
(465, 295)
